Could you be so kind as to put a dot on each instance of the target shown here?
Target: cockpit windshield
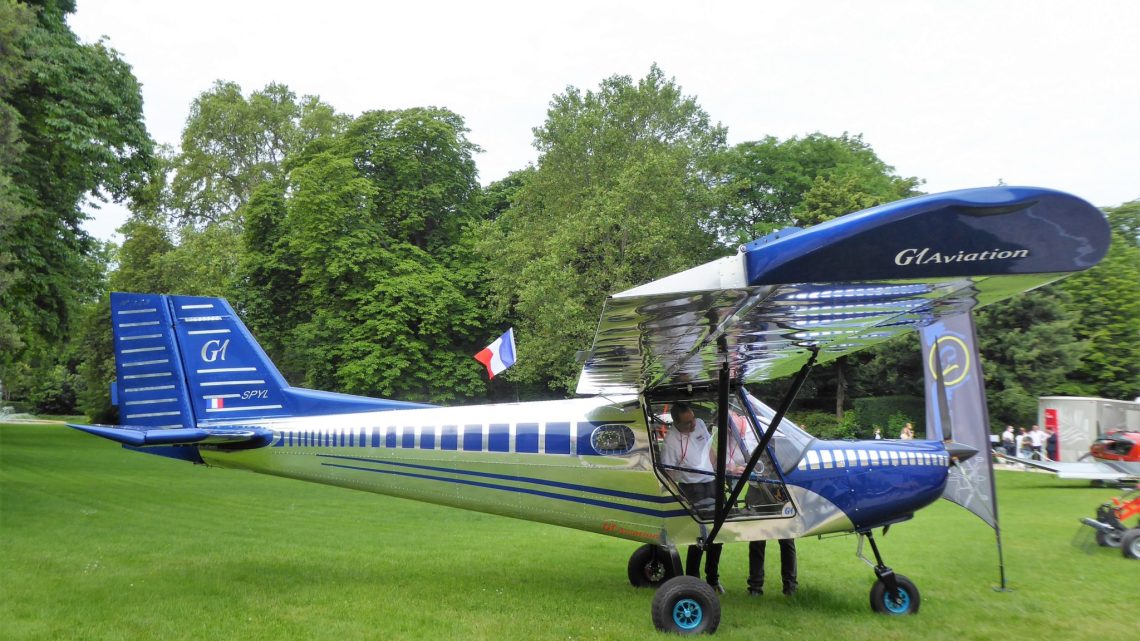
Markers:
(789, 442)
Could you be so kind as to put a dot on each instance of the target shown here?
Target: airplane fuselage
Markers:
(584, 463)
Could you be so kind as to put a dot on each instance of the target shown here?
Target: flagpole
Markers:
(990, 466)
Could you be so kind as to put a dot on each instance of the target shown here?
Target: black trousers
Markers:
(712, 563)
(787, 564)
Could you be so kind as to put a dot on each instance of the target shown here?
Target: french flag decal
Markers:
(499, 355)
(217, 403)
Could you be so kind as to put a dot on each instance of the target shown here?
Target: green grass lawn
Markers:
(100, 543)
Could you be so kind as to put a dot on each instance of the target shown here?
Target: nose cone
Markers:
(959, 451)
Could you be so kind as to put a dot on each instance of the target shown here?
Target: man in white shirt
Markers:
(688, 446)
(1008, 440)
(1036, 440)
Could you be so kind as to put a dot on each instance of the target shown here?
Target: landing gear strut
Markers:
(892, 593)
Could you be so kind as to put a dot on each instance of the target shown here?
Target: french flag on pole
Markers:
(499, 355)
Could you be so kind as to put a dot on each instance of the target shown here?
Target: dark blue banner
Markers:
(956, 410)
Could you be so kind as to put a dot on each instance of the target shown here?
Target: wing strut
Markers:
(722, 505)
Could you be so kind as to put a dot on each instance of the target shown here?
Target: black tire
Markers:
(905, 601)
(1130, 543)
(650, 566)
(686, 605)
(1109, 539)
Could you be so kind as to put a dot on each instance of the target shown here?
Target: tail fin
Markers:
(182, 361)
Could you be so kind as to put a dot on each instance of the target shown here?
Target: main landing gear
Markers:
(892, 593)
(683, 604)
(652, 565)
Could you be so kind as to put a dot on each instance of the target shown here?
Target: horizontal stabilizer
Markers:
(1090, 471)
(241, 437)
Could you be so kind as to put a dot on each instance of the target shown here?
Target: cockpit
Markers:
(686, 452)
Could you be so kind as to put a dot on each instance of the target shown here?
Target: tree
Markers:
(620, 195)
(367, 234)
(1107, 299)
(1029, 348)
(71, 133)
(771, 184)
(232, 144)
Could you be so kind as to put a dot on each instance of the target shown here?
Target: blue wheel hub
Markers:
(687, 614)
(897, 603)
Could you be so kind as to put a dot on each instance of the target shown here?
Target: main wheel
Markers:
(1130, 543)
(904, 601)
(686, 605)
(650, 566)
(1109, 539)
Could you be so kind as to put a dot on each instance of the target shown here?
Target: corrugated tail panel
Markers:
(150, 382)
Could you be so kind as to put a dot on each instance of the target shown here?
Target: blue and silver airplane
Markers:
(193, 384)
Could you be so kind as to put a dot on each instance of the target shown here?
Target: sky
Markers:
(958, 93)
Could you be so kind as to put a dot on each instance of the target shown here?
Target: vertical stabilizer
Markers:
(189, 361)
(228, 375)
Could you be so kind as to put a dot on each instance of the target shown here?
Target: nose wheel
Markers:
(892, 594)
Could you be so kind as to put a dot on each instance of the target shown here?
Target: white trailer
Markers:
(1081, 420)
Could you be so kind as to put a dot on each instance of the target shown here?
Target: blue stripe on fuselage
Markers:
(648, 498)
(550, 495)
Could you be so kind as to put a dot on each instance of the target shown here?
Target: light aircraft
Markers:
(1116, 459)
(193, 384)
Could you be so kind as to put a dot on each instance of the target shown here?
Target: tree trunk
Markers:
(840, 388)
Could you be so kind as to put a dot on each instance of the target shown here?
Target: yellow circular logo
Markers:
(955, 365)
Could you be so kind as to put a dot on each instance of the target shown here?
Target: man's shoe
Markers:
(755, 592)
(789, 590)
(717, 587)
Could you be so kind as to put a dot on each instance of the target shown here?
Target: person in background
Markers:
(907, 433)
(878, 434)
(1036, 442)
(1051, 444)
(1008, 441)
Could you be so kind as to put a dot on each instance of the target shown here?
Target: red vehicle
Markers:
(1116, 459)
(1110, 524)
(1117, 446)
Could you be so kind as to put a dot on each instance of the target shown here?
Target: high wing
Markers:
(1091, 471)
(840, 286)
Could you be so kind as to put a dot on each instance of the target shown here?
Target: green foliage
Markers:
(890, 413)
(891, 368)
(71, 129)
(232, 144)
(1125, 222)
(771, 184)
(368, 238)
(93, 347)
(619, 197)
(1107, 299)
(1028, 347)
(819, 424)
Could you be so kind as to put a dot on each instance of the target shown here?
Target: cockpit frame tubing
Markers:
(725, 381)
(722, 427)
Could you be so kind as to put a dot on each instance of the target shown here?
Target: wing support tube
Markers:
(722, 445)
